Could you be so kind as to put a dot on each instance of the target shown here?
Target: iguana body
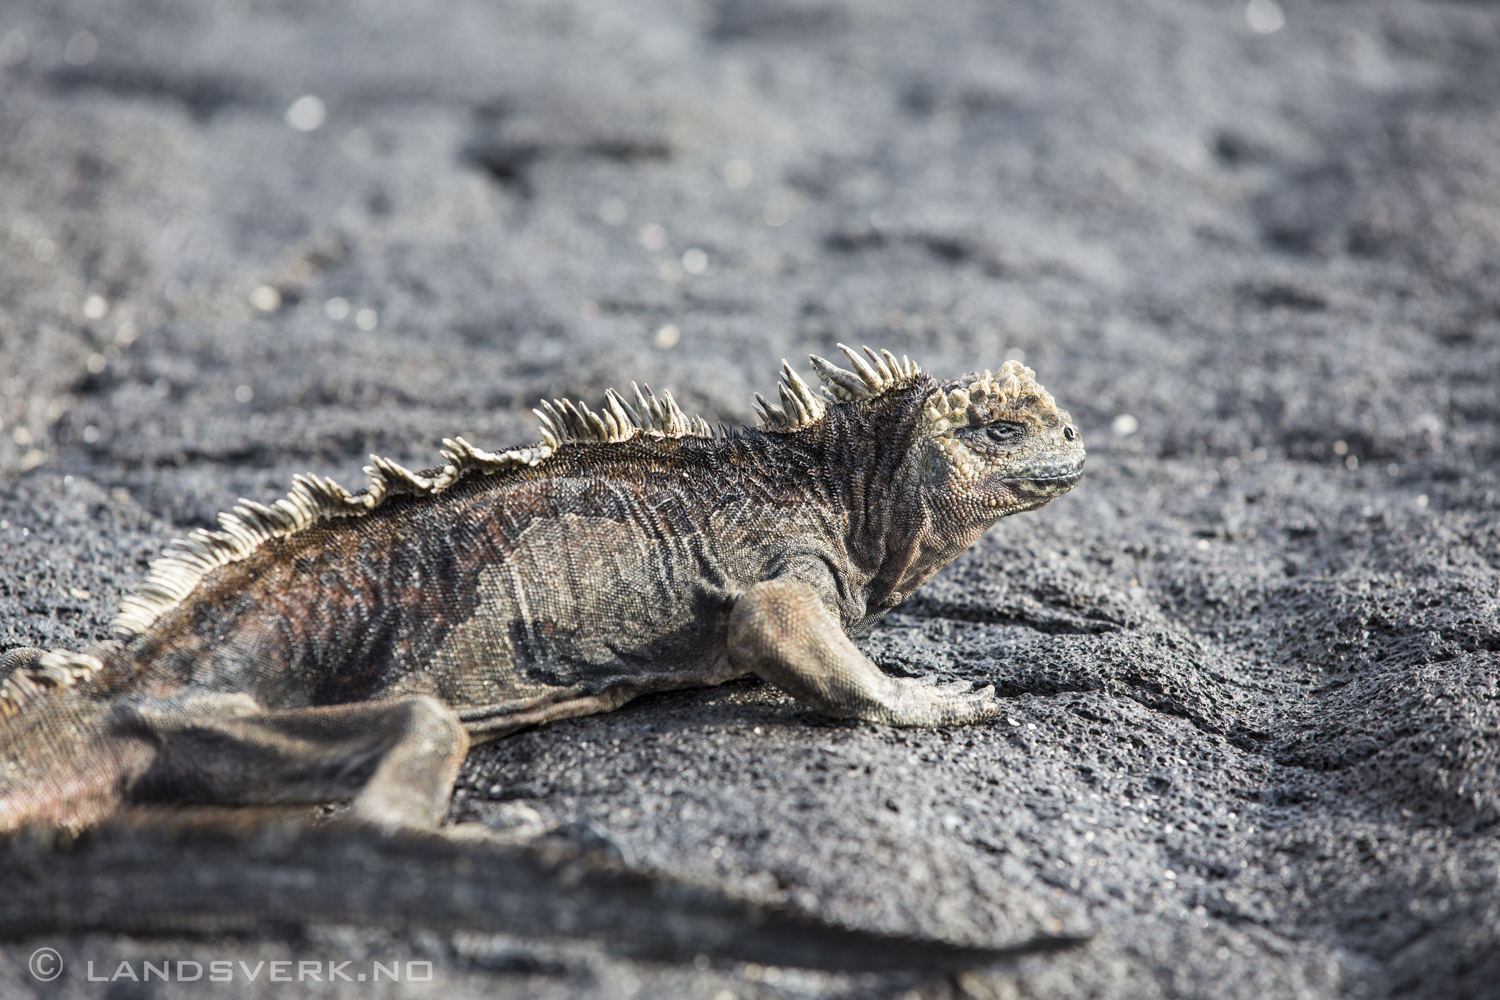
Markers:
(352, 646)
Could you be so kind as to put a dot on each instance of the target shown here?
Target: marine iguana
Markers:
(338, 645)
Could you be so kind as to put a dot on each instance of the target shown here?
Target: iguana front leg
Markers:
(397, 760)
(780, 631)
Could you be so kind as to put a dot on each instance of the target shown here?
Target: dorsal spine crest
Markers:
(872, 378)
(316, 499)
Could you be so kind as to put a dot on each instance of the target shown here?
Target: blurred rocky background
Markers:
(1251, 737)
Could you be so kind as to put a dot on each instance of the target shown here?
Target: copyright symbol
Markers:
(46, 964)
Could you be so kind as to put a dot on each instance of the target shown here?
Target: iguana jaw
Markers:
(1043, 478)
(1049, 478)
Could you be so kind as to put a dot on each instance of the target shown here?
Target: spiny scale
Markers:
(801, 408)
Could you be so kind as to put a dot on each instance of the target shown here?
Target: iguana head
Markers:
(997, 442)
(984, 445)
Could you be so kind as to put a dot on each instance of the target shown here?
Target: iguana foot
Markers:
(921, 705)
(780, 631)
(509, 823)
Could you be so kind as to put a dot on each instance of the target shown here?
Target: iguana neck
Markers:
(890, 530)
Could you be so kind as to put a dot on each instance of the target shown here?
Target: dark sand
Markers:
(1251, 732)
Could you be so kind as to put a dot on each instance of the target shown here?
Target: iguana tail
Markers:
(154, 874)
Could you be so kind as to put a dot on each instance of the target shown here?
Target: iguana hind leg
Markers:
(397, 760)
(780, 631)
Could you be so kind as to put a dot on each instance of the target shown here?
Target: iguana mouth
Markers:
(1047, 481)
(1044, 487)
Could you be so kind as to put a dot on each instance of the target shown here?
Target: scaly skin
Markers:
(353, 647)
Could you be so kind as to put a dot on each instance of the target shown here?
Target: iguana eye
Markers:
(999, 434)
(1003, 432)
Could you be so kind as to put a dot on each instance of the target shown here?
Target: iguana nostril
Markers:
(1070, 434)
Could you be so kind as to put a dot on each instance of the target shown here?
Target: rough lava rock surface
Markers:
(1251, 735)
